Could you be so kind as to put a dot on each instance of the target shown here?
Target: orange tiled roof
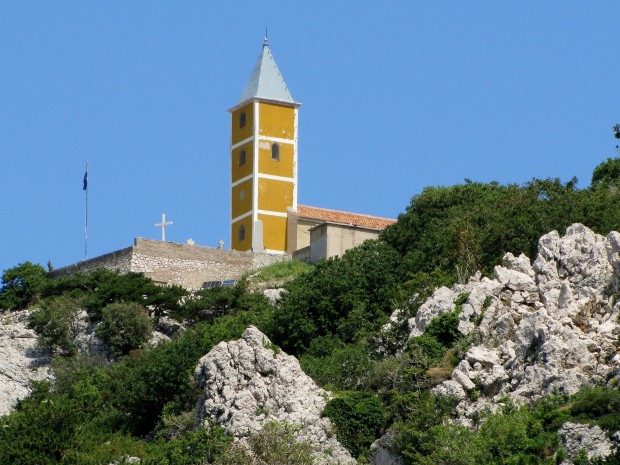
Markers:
(335, 216)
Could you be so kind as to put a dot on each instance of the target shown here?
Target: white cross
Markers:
(163, 225)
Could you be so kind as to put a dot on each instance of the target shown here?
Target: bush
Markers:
(195, 447)
(598, 403)
(22, 286)
(359, 419)
(445, 328)
(57, 322)
(345, 368)
(102, 287)
(348, 297)
(607, 173)
(275, 444)
(123, 327)
(466, 227)
(208, 304)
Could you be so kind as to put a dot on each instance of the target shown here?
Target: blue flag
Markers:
(85, 183)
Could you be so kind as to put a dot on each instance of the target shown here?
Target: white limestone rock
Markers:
(521, 264)
(157, 339)
(514, 280)
(591, 439)
(463, 380)
(249, 382)
(549, 327)
(21, 362)
(274, 295)
(450, 388)
(443, 301)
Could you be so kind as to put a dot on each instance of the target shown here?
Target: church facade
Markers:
(265, 215)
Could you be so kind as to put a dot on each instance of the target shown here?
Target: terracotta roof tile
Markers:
(340, 217)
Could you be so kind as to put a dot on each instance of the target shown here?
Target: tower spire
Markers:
(266, 81)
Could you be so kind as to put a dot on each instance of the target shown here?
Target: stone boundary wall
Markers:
(119, 260)
(171, 263)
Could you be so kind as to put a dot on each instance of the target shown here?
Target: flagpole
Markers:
(86, 213)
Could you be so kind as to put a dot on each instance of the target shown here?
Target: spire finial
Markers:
(266, 41)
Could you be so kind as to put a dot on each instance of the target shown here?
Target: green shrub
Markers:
(56, 322)
(123, 327)
(102, 287)
(22, 286)
(275, 444)
(347, 297)
(208, 304)
(416, 413)
(359, 419)
(345, 368)
(198, 446)
(445, 328)
(426, 349)
(597, 403)
(472, 225)
(607, 173)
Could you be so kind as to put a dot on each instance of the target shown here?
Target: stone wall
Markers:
(119, 260)
(170, 263)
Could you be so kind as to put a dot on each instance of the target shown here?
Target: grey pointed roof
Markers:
(266, 81)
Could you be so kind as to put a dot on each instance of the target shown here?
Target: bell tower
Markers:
(263, 155)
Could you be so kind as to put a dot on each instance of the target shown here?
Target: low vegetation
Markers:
(278, 273)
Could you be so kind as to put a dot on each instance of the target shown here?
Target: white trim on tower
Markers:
(295, 161)
(275, 178)
(243, 142)
(276, 139)
(240, 217)
(241, 180)
(256, 110)
(272, 213)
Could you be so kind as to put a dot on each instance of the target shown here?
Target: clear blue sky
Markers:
(396, 96)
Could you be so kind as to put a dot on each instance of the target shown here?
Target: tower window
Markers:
(275, 152)
(242, 157)
(241, 233)
(242, 119)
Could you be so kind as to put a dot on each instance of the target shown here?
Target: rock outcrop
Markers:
(249, 382)
(22, 360)
(592, 440)
(380, 453)
(539, 328)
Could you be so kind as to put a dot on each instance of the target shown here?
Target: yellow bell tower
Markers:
(263, 154)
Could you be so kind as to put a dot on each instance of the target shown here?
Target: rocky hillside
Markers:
(249, 382)
(490, 371)
(548, 327)
(539, 328)
(22, 361)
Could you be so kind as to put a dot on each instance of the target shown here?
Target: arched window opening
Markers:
(241, 233)
(275, 152)
(242, 119)
(242, 157)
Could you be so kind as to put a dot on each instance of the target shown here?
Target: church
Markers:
(267, 224)
(265, 213)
